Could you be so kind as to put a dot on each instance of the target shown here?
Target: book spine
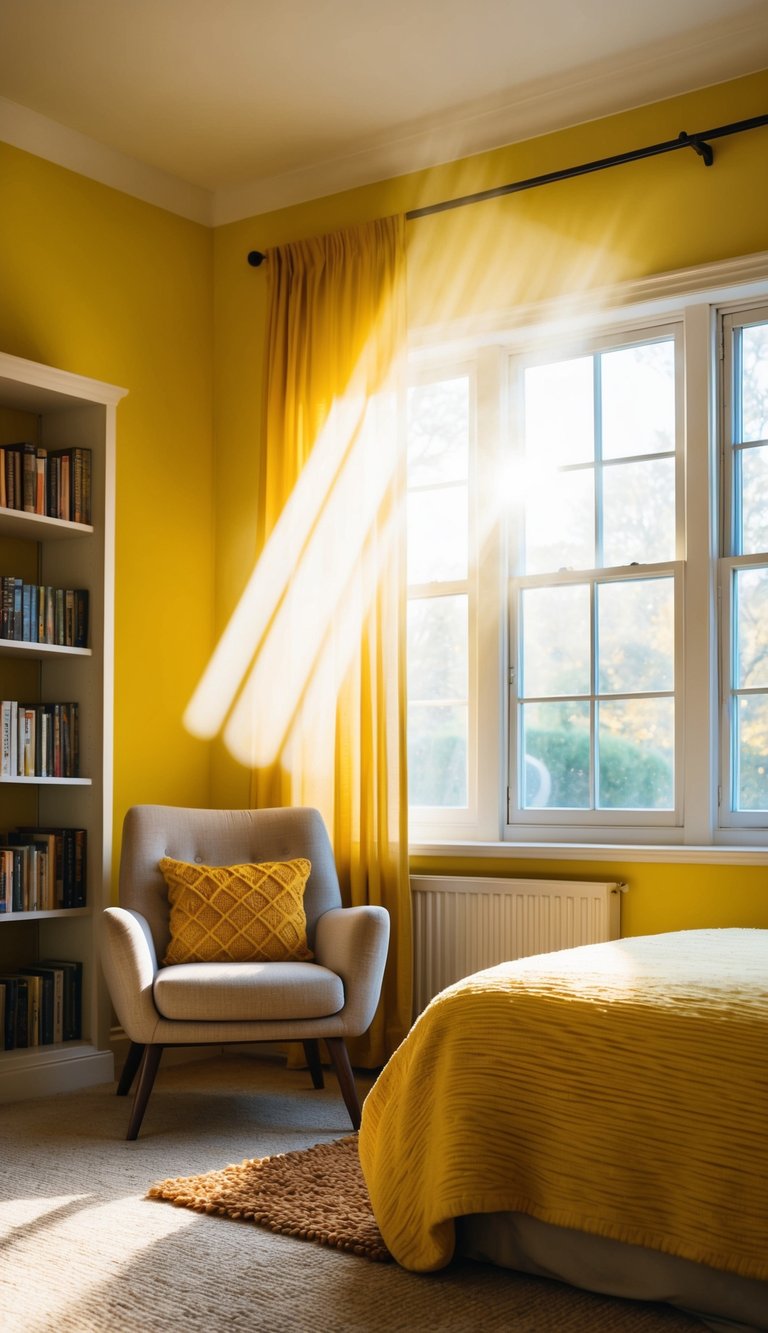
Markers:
(41, 481)
(11, 1000)
(81, 617)
(29, 477)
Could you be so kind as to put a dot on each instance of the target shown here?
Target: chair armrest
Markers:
(130, 966)
(353, 942)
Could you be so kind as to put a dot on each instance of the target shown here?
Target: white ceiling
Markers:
(233, 107)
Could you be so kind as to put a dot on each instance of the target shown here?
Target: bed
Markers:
(598, 1115)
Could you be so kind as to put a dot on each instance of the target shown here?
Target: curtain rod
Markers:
(698, 142)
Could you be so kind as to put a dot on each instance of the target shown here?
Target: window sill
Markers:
(582, 851)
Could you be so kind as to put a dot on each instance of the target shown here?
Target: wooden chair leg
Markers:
(340, 1060)
(132, 1062)
(312, 1057)
(149, 1067)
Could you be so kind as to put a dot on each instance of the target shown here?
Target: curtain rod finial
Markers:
(255, 258)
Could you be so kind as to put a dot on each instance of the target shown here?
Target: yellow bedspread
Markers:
(620, 1089)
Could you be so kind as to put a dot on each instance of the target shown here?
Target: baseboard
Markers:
(45, 1070)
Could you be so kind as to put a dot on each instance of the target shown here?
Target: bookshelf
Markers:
(57, 410)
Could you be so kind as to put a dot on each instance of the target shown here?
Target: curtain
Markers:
(326, 696)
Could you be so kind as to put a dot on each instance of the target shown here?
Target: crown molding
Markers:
(77, 152)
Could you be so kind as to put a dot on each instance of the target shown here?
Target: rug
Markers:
(315, 1194)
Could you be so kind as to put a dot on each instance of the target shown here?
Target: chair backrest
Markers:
(220, 838)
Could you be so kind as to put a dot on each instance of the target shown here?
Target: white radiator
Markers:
(462, 925)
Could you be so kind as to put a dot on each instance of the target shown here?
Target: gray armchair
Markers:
(332, 997)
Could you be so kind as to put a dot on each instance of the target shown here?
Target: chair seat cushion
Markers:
(247, 992)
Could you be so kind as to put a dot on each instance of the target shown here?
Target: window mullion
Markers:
(598, 476)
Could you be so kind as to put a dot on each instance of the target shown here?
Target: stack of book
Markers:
(42, 869)
(36, 613)
(41, 1003)
(39, 740)
(52, 482)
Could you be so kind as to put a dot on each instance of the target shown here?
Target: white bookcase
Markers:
(58, 410)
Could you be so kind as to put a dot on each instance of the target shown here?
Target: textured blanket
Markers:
(620, 1089)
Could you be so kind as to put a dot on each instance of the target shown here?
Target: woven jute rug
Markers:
(316, 1194)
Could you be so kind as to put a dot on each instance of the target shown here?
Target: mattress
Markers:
(724, 1302)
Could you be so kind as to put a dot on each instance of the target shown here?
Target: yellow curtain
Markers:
(331, 501)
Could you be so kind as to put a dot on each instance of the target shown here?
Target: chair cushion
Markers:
(238, 914)
(247, 992)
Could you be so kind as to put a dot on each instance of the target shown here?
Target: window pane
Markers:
(559, 413)
(754, 509)
(437, 535)
(437, 649)
(636, 636)
(556, 640)
(639, 512)
(555, 740)
(437, 701)
(438, 432)
(638, 398)
(754, 383)
(751, 610)
(636, 754)
(560, 523)
(751, 753)
(437, 754)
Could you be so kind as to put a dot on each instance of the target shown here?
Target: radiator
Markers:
(462, 925)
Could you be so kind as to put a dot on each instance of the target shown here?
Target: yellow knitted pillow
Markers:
(237, 914)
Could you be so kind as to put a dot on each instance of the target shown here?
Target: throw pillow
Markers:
(237, 914)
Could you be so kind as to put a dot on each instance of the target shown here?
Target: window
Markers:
(588, 580)
(439, 740)
(744, 570)
(595, 585)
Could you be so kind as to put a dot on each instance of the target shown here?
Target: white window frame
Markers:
(730, 319)
(523, 821)
(462, 818)
(697, 298)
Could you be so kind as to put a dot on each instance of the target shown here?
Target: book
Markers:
(81, 618)
(41, 980)
(41, 480)
(10, 984)
(14, 857)
(52, 1022)
(73, 995)
(22, 1012)
(29, 478)
(6, 881)
(34, 985)
(7, 723)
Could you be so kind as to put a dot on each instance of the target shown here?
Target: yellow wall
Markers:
(97, 283)
(649, 217)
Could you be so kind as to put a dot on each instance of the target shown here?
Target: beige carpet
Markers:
(82, 1250)
(318, 1194)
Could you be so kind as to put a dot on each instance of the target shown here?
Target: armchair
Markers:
(333, 996)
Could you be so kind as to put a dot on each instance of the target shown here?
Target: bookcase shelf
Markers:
(39, 527)
(6, 918)
(20, 648)
(56, 410)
